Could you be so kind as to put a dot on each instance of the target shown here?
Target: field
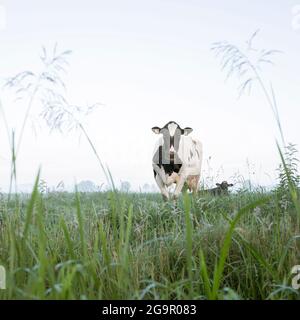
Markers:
(124, 245)
(114, 245)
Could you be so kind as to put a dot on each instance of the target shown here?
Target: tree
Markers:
(125, 186)
(86, 186)
(146, 187)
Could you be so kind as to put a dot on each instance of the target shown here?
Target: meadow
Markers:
(114, 245)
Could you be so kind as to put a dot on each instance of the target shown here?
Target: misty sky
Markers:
(149, 62)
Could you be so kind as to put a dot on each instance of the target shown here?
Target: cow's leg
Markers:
(198, 183)
(160, 171)
(193, 182)
(180, 184)
(162, 187)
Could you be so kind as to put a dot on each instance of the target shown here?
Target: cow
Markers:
(177, 159)
(221, 189)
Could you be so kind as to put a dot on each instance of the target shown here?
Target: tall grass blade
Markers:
(219, 267)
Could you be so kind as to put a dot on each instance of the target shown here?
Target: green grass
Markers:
(134, 246)
(113, 245)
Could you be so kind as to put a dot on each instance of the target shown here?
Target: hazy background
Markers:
(150, 62)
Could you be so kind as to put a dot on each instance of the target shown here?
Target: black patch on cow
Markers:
(172, 141)
(170, 167)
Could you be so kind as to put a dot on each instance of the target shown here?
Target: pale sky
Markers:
(149, 62)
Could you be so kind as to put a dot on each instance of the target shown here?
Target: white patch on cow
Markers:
(172, 149)
(172, 128)
(188, 146)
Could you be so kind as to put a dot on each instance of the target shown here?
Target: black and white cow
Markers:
(177, 159)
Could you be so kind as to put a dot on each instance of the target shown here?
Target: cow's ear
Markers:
(218, 185)
(230, 185)
(156, 130)
(187, 131)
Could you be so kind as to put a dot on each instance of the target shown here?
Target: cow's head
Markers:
(171, 136)
(224, 185)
